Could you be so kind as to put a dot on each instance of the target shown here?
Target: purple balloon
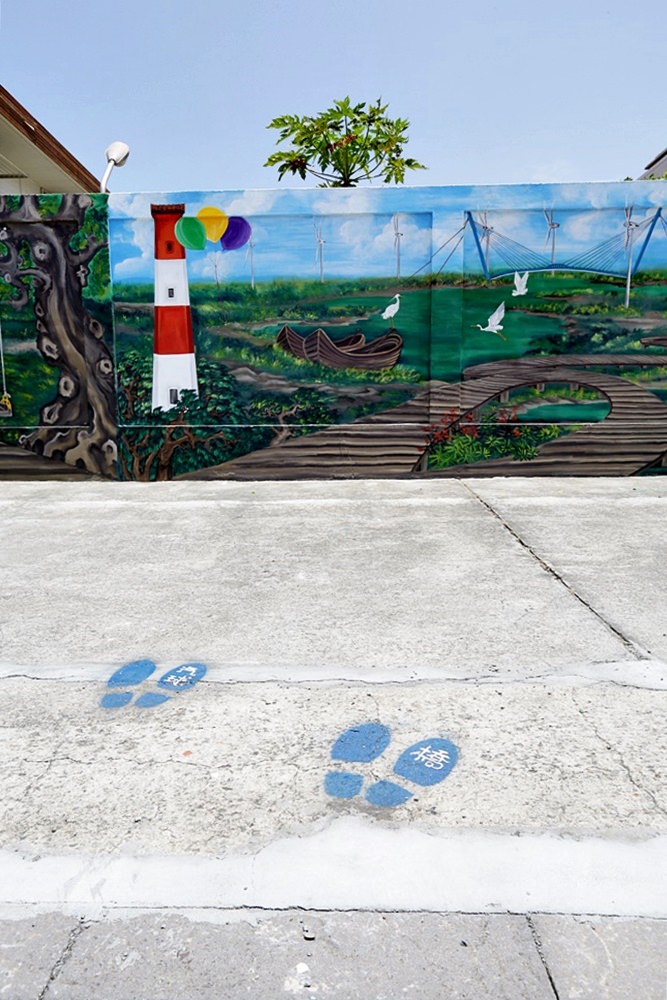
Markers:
(236, 234)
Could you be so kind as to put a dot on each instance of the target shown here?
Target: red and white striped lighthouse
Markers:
(174, 367)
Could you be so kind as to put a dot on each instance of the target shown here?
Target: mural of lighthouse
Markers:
(299, 377)
(174, 366)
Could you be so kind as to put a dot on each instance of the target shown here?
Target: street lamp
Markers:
(116, 155)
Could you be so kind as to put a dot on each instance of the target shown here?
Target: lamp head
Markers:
(117, 153)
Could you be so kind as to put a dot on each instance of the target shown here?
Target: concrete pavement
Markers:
(490, 653)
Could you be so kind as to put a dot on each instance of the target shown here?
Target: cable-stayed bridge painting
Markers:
(620, 255)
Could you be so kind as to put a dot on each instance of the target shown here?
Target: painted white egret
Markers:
(520, 283)
(392, 309)
(493, 323)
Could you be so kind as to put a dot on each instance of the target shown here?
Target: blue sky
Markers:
(508, 92)
(357, 228)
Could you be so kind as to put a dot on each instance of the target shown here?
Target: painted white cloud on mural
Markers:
(348, 201)
(251, 203)
(134, 206)
(358, 231)
(142, 236)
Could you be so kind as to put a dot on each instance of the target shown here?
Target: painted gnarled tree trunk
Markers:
(78, 426)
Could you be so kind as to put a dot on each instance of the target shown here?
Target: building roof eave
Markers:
(26, 125)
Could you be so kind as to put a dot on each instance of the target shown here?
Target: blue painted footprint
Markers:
(424, 763)
(132, 674)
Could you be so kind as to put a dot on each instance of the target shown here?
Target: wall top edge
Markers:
(444, 198)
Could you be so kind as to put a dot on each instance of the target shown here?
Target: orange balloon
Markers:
(214, 222)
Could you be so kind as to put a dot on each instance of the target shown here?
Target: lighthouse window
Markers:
(170, 293)
(173, 396)
(170, 246)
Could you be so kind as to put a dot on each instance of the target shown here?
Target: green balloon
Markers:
(190, 233)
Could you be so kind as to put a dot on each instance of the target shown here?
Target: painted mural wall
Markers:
(57, 397)
(318, 333)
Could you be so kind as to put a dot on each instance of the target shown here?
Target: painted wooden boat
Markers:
(348, 352)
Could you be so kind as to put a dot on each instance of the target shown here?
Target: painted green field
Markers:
(440, 325)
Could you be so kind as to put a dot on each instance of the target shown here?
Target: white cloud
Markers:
(133, 206)
(251, 203)
(213, 265)
(142, 235)
(246, 203)
(352, 201)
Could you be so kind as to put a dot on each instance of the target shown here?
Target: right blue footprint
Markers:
(425, 763)
(133, 674)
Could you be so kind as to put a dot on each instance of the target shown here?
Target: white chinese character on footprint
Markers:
(181, 676)
(431, 758)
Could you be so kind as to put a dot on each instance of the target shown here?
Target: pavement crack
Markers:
(637, 651)
(619, 757)
(60, 963)
(540, 951)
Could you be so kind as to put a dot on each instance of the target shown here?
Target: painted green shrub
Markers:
(460, 440)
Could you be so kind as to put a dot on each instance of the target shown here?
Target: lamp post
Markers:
(116, 155)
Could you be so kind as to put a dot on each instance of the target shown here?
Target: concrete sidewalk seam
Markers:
(540, 951)
(21, 911)
(577, 676)
(637, 651)
(75, 934)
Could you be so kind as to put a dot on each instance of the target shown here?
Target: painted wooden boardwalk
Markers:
(393, 443)
(634, 360)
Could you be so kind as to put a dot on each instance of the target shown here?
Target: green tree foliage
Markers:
(343, 145)
(199, 431)
(206, 429)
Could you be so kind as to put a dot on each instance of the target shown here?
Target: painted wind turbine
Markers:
(319, 249)
(486, 236)
(250, 255)
(494, 322)
(397, 245)
(630, 228)
(551, 233)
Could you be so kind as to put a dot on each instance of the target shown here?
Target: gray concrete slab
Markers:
(327, 579)
(605, 539)
(30, 951)
(228, 768)
(590, 958)
(218, 798)
(343, 955)
(517, 618)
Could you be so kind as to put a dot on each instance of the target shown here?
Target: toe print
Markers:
(359, 745)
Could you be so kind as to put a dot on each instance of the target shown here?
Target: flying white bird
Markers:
(520, 283)
(392, 309)
(493, 323)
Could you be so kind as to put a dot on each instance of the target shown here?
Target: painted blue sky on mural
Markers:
(358, 233)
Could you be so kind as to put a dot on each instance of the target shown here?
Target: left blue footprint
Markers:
(359, 745)
(134, 673)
